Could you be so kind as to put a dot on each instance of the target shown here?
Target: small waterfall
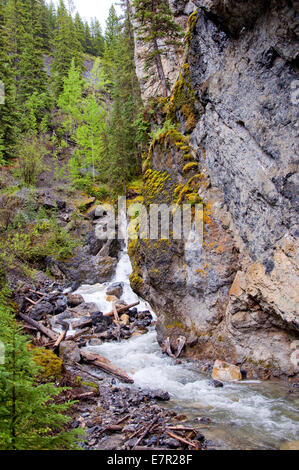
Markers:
(246, 415)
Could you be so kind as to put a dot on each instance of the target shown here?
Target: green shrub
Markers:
(31, 152)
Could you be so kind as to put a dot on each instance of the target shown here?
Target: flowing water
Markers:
(244, 415)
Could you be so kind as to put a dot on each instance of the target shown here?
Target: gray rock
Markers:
(99, 212)
(192, 340)
(160, 395)
(238, 291)
(115, 289)
(69, 352)
(74, 300)
(216, 383)
(85, 309)
(79, 322)
(61, 305)
(95, 342)
(41, 310)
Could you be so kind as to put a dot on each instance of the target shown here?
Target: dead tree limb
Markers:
(105, 365)
(121, 309)
(39, 326)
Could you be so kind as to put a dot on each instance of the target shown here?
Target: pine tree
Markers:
(98, 42)
(123, 156)
(47, 22)
(70, 100)
(158, 29)
(8, 112)
(32, 77)
(112, 33)
(67, 46)
(80, 30)
(29, 417)
(89, 136)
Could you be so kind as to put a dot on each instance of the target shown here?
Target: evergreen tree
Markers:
(87, 39)
(158, 29)
(67, 46)
(32, 77)
(8, 114)
(47, 22)
(89, 136)
(123, 154)
(70, 100)
(112, 34)
(80, 30)
(29, 417)
(98, 43)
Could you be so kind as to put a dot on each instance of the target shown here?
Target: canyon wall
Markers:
(230, 142)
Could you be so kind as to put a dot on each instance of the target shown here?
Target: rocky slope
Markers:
(235, 107)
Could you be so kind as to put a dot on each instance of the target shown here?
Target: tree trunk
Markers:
(160, 69)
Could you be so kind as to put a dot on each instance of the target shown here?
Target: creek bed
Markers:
(244, 415)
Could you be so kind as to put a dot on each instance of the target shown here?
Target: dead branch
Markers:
(122, 309)
(105, 365)
(39, 326)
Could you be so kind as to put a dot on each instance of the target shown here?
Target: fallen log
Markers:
(37, 292)
(117, 322)
(123, 309)
(106, 366)
(83, 396)
(115, 313)
(46, 331)
(31, 301)
(88, 373)
(86, 323)
(60, 339)
(77, 335)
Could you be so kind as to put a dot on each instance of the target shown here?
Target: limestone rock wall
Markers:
(172, 59)
(238, 126)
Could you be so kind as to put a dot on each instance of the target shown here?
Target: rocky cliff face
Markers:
(235, 109)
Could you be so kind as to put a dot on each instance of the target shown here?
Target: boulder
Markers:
(40, 311)
(115, 289)
(74, 300)
(85, 309)
(216, 384)
(69, 352)
(95, 342)
(66, 315)
(61, 305)
(94, 243)
(99, 212)
(225, 372)
(160, 395)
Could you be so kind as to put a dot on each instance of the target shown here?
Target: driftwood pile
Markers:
(158, 430)
(47, 338)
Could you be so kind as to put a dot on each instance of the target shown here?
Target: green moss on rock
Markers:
(183, 99)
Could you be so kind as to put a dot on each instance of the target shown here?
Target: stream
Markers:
(245, 415)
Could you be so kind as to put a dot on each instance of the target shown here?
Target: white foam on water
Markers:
(260, 419)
